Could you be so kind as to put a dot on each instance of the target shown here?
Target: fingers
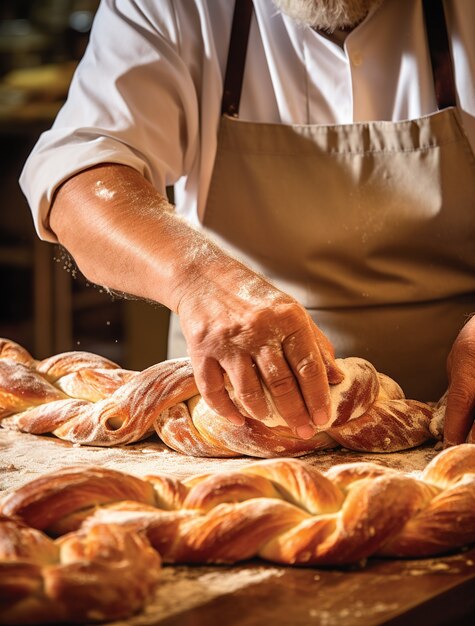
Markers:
(284, 389)
(334, 373)
(243, 376)
(276, 375)
(241, 371)
(210, 381)
(308, 367)
(294, 369)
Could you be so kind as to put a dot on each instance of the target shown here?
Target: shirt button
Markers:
(357, 59)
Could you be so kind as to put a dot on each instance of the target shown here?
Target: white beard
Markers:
(327, 15)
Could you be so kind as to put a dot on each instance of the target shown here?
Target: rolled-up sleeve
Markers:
(132, 101)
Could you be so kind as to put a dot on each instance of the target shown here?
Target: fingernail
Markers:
(306, 432)
(238, 421)
(320, 417)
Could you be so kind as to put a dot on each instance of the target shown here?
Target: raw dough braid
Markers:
(87, 399)
(281, 510)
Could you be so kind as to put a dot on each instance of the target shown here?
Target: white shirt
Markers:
(148, 91)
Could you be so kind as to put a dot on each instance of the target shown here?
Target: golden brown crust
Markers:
(99, 574)
(22, 388)
(50, 498)
(54, 367)
(281, 510)
(11, 350)
(20, 542)
(87, 399)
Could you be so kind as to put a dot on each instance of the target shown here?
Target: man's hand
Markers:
(239, 324)
(460, 413)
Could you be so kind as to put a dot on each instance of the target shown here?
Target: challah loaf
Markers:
(87, 399)
(113, 529)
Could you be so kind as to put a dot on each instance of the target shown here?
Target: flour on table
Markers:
(24, 457)
(184, 588)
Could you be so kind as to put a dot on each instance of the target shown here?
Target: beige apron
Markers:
(370, 226)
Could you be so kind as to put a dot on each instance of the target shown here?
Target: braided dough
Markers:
(113, 529)
(87, 399)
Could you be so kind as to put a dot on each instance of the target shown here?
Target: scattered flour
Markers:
(184, 588)
(101, 191)
(24, 457)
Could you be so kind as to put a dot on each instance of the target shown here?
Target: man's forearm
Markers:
(124, 235)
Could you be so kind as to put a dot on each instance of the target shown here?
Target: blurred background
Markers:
(46, 304)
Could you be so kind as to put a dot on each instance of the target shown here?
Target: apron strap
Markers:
(441, 61)
(236, 57)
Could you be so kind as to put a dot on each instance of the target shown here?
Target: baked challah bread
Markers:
(87, 399)
(111, 527)
(101, 574)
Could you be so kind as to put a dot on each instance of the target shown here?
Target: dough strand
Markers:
(89, 400)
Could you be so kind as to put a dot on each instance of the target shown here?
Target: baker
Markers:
(322, 154)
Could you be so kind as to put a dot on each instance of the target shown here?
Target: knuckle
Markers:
(258, 327)
(462, 397)
(251, 397)
(466, 347)
(281, 386)
(295, 313)
(197, 333)
(211, 390)
(218, 337)
(285, 316)
(308, 369)
(463, 349)
(469, 339)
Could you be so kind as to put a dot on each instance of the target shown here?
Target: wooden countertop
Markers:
(436, 591)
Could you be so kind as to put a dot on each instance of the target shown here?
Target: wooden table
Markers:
(435, 592)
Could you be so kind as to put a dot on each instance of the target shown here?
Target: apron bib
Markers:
(370, 226)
